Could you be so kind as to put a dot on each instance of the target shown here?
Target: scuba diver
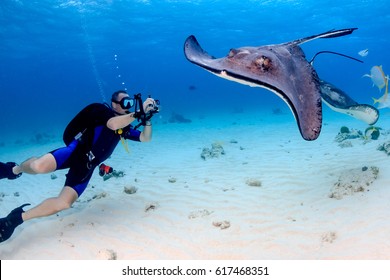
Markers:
(90, 139)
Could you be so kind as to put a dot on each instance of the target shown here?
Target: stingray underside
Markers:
(282, 69)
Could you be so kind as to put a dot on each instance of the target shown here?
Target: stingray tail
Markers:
(336, 53)
(325, 35)
(336, 33)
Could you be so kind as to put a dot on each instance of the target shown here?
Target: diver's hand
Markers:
(149, 105)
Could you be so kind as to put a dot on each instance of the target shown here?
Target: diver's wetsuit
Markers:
(96, 144)
(83, 152)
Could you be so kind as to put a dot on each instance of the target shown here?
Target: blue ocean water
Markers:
(58, 56)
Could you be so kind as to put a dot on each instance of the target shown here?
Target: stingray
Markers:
(281, 68)
(340, 102)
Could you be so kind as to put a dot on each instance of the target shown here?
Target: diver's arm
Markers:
(118, 122)
(146, 134)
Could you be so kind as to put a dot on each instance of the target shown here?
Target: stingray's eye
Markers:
(258, 62)
(262, 62)
(266, 63)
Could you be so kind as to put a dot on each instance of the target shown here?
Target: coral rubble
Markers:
(215, 151)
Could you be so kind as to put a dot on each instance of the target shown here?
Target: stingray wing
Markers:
(282, 69)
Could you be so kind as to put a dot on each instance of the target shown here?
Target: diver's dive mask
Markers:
(126, 102)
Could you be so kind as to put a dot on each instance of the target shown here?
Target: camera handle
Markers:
(140, 114)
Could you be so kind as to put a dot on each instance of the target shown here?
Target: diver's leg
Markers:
(34, 165)
(44, 164)
(48, 207)
(75, 185)
(52, 205)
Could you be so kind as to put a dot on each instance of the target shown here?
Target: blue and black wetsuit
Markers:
(95, 143)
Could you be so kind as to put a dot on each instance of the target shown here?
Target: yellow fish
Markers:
(378, 77)
(384, 100)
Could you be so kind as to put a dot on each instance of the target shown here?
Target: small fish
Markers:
(363, 53)
(378, 77)
(384, 100)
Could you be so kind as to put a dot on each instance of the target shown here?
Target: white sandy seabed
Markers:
(270, 195)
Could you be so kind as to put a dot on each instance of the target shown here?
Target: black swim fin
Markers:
(9, 223)
(6, 171)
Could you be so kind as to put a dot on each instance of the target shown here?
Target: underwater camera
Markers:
(155, 107)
